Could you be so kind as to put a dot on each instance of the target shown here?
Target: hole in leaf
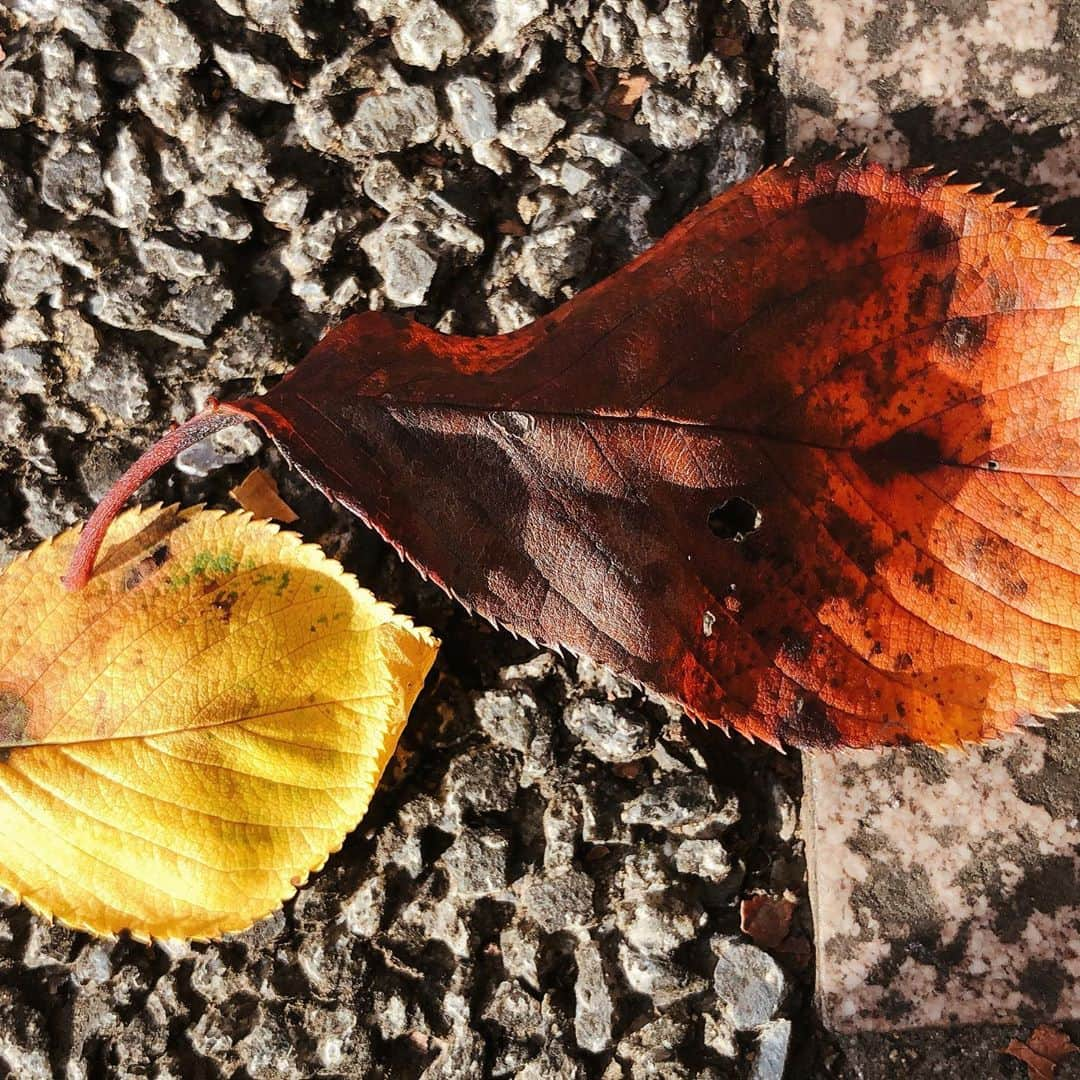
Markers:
(735, 519)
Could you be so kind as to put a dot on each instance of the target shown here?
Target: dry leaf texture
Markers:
(190, 735)
(808, 466)
(1043, 1052)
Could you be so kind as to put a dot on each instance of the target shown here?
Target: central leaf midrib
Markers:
(587, 417)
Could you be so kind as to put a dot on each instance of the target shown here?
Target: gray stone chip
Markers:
(559, 901)
(426, 35)
(607, 732)
(748, 982)
(403, 263)
(682, 803)
(592, 993)
(17, 94)
(251, 77)
(161, 41)
(71, 177)
(385, 122)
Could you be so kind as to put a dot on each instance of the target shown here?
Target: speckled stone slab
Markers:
(992, 88)
(946, 888)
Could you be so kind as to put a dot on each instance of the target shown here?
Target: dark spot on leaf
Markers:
(838, 217)
(794, 644)
(808, 725)
(734, 519)
(929, 289)
(963, 336)
(936, 234)
(14, 717)
(145, 567)
(907, 453)
(1016, 587)
(924, 579)
(223, 603)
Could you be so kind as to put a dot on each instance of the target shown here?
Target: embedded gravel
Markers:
(548, 882)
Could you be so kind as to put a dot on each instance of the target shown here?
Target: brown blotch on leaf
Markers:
(14, 718)
(937, 234)
(838, 217)
(794, 645)
(907, 453)
(1004, 294)
(924, 579)
(1017, 586)
(857, 540)
(808, 725)
(135, 575)
(223, 604)
(964, 335)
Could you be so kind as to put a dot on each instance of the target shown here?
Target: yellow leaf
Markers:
(196, 730)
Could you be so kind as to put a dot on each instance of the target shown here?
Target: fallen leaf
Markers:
(625, 94)
(189, 736)
(766, 920)
(1043, 1052)
(809, 466)
(258, 494)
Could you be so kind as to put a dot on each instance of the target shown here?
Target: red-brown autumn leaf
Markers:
(809, 466)
(766, 920)
(1043, 1052)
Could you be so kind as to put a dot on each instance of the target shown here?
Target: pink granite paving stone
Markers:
(944, 887)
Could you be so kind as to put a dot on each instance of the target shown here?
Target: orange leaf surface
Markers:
(809, 466)
(185, 739)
